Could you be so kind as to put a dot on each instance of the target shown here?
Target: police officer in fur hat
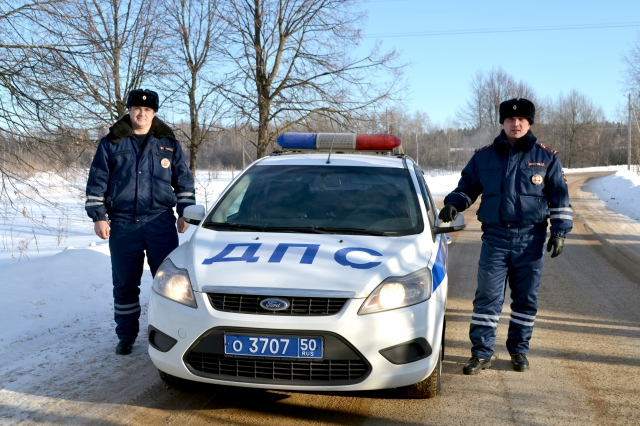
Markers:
(523, 188)
(137, 177)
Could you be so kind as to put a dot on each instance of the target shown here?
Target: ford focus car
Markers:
(321, 267)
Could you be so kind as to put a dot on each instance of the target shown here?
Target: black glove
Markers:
(555, 243)
(448, 213)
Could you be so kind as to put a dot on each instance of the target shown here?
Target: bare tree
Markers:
(294, 61)
(21, 109)
(574, 114)
(600, 124)
(473, 112)
(113, 52)
(631, 76)
(488, 90)
(195, 30)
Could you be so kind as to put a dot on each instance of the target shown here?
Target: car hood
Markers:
(350, 263)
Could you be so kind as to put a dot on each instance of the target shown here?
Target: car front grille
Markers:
(289, 370)
(342, 364)
(303, 306)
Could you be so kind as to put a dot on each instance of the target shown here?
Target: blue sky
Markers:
(551, 61)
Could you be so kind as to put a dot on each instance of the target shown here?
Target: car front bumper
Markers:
(365, 335)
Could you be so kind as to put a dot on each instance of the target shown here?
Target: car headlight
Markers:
(398, 292)
(174, 283)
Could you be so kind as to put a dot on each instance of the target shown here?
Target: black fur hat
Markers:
(517, 107)
(143, 97)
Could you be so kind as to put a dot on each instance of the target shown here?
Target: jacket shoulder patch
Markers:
(484, 148)
(549, 150)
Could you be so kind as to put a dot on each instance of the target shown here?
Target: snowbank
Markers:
(621, 192)
(62, 290)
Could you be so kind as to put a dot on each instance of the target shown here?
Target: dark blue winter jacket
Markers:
(130, 184)
(521, 185)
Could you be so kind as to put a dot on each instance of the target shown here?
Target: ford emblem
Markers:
(273, 304)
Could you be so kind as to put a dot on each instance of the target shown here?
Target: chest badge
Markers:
(536, 179)
(165, 163)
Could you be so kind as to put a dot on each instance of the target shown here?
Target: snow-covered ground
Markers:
(55, 271)
(620, 191)
(55, 284)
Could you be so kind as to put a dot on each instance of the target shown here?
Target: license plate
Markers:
(274, 347)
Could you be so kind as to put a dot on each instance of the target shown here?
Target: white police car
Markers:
(313, 271)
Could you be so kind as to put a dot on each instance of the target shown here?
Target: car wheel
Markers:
(172, 381)
(429, 387)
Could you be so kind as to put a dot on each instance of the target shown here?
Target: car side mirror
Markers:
(458, 224)
(193, 214)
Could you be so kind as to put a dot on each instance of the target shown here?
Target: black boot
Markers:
(475, 364)
(125, 346)
(519, 362)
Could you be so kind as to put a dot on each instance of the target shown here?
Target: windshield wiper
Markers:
(234, 226)
(300, 229)
(334, 230)
(325, 230)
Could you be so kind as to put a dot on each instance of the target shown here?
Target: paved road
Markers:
(585, 357)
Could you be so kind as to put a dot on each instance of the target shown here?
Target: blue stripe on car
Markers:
(440, 266)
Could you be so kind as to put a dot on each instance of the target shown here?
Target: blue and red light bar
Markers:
(339, 141)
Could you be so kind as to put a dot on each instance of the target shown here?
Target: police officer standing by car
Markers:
(137, 176)
(522, 184)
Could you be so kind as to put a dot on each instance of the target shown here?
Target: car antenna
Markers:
(333, 138)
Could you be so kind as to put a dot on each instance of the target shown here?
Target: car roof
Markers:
(337, 159)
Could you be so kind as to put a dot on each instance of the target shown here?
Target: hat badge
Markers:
(515, 107)
(144, 98)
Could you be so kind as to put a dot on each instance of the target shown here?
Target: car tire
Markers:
(172, 381)
(429, 387)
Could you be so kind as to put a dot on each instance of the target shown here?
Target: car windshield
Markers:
(320, 199)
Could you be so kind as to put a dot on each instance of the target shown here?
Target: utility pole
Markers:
(629, 146)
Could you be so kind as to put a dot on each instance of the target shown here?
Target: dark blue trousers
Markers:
(512, 256)
(128, 243)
